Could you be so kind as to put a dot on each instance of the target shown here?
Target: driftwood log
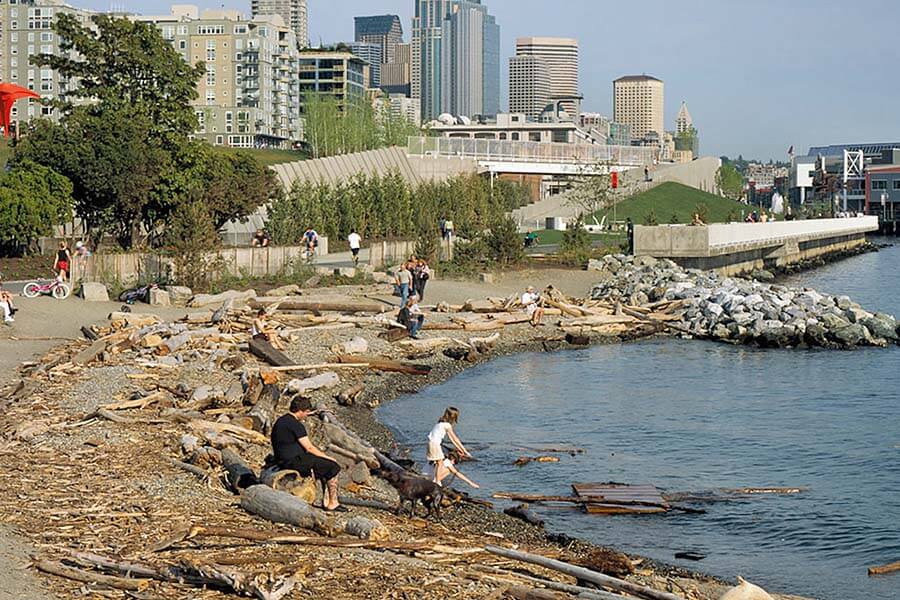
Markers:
(263, 412)
(584, 574)
(263, 350)
(290, 481)
(521, 512)
(348, 305)
(239, 474)
(281, 507)
(885, 569)
(348, 397)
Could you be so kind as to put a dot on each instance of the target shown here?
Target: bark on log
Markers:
(240, 475)
(365, 503)
(521, 512)
(339, 437)
(281, 507)
(425, 345)
(263, 412)
(348, 396)
(380, 364)
(88, 333)
(60, 570)
(90, 353)
(345, 306)
(366, 529)
(367, 457)
(262, 349)
(583, 574)
(311, 384)
(394, 334)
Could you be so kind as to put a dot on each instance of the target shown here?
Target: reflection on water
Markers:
(694, 416)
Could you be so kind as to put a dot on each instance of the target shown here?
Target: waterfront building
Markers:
(395, 76)
(383, 30)
(371, 53)
(250, 95)
(638, 101)
(293, 12)
(558, 76)
(455, 58)
(337, 73)
(882, 185)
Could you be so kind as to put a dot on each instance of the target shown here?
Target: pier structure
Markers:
(736, 248)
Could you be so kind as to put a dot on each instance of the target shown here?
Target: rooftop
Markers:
(636, 78)
(838, 149)
(375, 24)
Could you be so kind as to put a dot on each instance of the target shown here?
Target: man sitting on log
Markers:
(294, 450)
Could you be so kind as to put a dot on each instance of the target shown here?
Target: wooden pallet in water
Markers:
(623, 498)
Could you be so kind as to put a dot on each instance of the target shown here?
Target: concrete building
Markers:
(293, 12)
(560, 76)
(340, 74)
(25, 32)
(883, 194)
(683, 122)
(395, 76)
(371, 53)
(250, 95)
(606, 130)
(455, 58)
(638, 101)
(400, 106)
(529, 86)
(515, 127)
(384, 30)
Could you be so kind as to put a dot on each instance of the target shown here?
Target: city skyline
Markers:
(756, 82)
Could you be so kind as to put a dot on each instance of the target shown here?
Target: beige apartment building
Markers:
(249, 96)
(638, 101)
(531, 84)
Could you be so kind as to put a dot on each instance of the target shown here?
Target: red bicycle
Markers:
(56, 288)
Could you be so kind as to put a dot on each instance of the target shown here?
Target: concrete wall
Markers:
(131, 268)
(735, 248)
(386, 253)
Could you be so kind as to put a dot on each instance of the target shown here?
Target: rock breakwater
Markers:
(737, 310)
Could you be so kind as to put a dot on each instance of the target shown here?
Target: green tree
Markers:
(650, 218)
(120, 62)
(575, 247)
(33, 199)
(192, 240)
(503, 242)
(729, 181)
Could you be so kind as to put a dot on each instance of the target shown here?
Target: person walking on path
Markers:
(443, 428)
(293, 449)
(6, 305)
(404, 282)
(355, 240)
(62, 262)
(422, 275)
(531, 300)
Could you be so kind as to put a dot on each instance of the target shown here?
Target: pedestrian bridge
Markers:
(544, 158)
(734, 248)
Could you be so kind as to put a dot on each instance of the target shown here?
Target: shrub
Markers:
(192, 240)
(650, 218)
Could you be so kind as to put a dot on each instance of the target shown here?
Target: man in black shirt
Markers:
(294, 450)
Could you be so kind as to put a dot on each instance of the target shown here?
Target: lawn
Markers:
(673, 202)
(270, 156)
(552, 236)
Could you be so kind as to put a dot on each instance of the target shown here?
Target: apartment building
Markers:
(529, 86)
(638, 101)
(341, 74)
(249, 96)
(372, 54)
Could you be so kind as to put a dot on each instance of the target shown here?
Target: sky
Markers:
(758, 77)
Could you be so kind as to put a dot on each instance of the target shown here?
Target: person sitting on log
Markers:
(532, 303)
(293, 449)
(260, 330)
(411, 317)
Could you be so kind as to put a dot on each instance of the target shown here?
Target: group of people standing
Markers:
(64, 260)
(412, 276)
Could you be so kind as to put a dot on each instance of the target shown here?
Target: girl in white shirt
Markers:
(443, 428)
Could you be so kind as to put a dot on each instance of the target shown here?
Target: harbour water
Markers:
(694, 416)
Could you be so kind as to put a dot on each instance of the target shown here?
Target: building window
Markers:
(220, 139)
(210, 44)
(211, 30)
(896, 184)
(879, 184)
(182, 30)
(182, 45)
(210, 97)
(210, 75)
(210, 55)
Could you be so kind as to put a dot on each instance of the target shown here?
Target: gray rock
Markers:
(721, 332)
(856, 315)
(851, 335)
(832, 321)
(596, 265)
(843, 302)
(180, 295)
(159, 297)
(882, 326)
(763, 275)
(645, 261)
(815, 334)
(94, 292)
(713, 311)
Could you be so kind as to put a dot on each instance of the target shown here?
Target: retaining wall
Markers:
(736, 248)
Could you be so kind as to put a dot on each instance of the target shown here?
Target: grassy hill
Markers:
(674, 199)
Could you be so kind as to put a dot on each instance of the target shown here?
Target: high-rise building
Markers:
(339, 74)
(638, 102)
(384, 30)
(294, 13)
(455, 58)
(371, 53)
(529, 86)
(683, 121)
(395, 76)
(560, 55)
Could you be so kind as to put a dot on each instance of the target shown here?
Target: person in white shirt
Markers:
(435, 455)
(449, 468)
(532, 303)
(355, 241)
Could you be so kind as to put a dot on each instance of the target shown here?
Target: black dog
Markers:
(412, 489)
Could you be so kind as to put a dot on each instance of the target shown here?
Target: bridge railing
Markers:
(535, 152)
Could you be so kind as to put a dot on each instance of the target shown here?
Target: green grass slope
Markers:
(669, 199)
